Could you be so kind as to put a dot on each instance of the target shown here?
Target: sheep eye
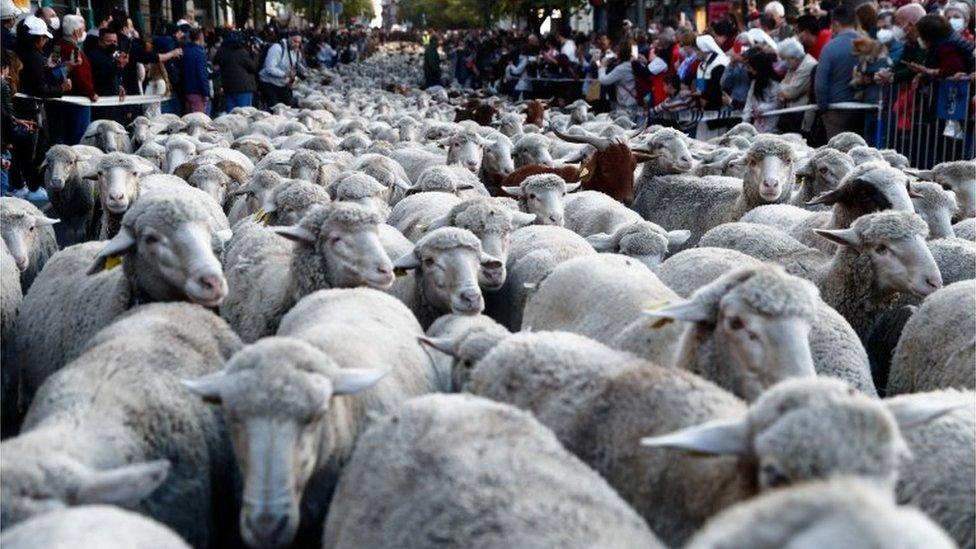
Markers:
(335, 240)
(532, 196)
(774, 478)
(428, 262)
(32, 228)
(151, 239)
(735, 323)
(881, 249)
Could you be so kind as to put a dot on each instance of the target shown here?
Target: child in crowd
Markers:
(679, 101)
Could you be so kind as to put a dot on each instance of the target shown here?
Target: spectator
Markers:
(158, 84)
(735, 78)
(465, 71)
(794, 89)
(724, 34)
(679, 99)
(75, 118)
(195, 76)
(708, 80)
(8, 20)
(836, 65)
(959, 16)
(763, 93)
(283, 65)
(327, 54)
(780, 29)
(53, 22)
(106, 66)
(688, 68)
(867, 19)
(91, 38)
(911, 53)
(812, 35)
(238, 71)
(622, 77)
(18, 133)
(432, 63)
(947, 54)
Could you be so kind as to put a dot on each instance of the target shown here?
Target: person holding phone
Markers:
(75, 117)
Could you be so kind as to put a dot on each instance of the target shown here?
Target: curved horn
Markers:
(586, 139)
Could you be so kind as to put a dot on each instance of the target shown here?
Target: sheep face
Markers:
(497, 158)
(60, 166)
(669, 152)
(643, 241)
(118, 185)
(448, 263)
(543, 195)
(760, 321)
(35, 483)
(212, 181)
(532, 149)
(171, 261)
(110, 137)
(936, 207)
(894, 243)
(811, 429)
(773, 174)
(870, 188)
(467, 149)
(278, 433)
(960, 178)
(829, 172)
(510, 125)
(177, 152)
(19, 230)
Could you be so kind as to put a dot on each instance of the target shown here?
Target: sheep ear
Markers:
(122, 243)
(406, 262)
(349, 381)
(295, 234)
(715, 437)
(43, 164)
(126, 485)
(465, 186)
(512, 191)
(41, 221)
(919, 410)
(90, 172)
(442, 344)
(687, 311)
(828, 198)
(406, 186)
(602, 242)
(522, 219)
(209, 387)
(842, 237)
(679, 237)
(921, 174)
(570, 187)
(912, 193)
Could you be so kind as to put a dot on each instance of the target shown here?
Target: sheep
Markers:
(451, 179)
(845, 141)
(115, 424)
(154, 153)
(955, 257)
(611, 227)
(821, 173)
(413, 215)
(895, 159)
(72, 197)
(355, 142)
(532, 148)
(107, 135)
(309, 166)
(11, 295)
(835, 346)
(936, 347)
(118, 176)
(293, 440)
(28, 236)
(457, 342)
(251, 196)
(863, 153)
(102, 526)
(543, 195)
(414, 160)
(335, 246)
(698, 204)
(722, 161)
(496, 163)
(278, 161)
(466, 148)
(835, 513)
(534, 252)
(448, 263)
(965, 229)
(958, 177)
(166, 244)
(362, 189)
(473, 473)
(938, 478)
(936, 206)
(285, 204)
(385, 170)
(254, 146)
(211, 180)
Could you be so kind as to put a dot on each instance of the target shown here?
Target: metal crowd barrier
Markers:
(929, 123)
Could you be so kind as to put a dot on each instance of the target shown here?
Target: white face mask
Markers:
(55, 23)
(957, 23)
(885, 36)
(898, 33)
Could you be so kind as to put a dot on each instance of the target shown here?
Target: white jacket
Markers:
(279, 63)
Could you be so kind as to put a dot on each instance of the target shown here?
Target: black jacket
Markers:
(238, 68)
(35, 78)
(105, 73)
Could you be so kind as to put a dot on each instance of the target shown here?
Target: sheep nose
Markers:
(116, 196)
(267, 528)
(934, 282)
(770, 184)
(22, 263)
(470, 298)
(555, 219)
(210, 283)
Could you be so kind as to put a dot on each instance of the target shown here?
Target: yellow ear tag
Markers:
(422, 227)
(656, 305)
(112, 262)
(399, 273)
(584, 174)
(261, 216)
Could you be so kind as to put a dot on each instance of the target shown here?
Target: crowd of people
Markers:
(47, 55)
(767, 61)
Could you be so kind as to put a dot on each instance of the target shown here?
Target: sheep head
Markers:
(20, 224)
(543, 195)
(644, 241)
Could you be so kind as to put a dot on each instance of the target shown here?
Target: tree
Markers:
(454, 14)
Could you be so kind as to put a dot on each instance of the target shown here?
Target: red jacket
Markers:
(80, 75)
(822, 40)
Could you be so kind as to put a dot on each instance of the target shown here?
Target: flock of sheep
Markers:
(359, 323)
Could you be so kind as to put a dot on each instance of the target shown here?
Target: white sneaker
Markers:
(40, 195)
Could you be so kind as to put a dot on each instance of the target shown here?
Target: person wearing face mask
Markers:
(107, 63)
(283, 64)
(75, 118)
(960, 19)
(904, 32)
(947, 54)
(794, 89)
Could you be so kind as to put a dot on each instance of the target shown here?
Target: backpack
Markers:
(643, 82)
(263, 54)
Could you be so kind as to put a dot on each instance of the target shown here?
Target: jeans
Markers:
(233, 100)
(171, 106)
(76, 119)
(273, 95)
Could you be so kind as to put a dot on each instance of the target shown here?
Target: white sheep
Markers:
(447, 265)
(958, 176)
(609, 226)
(72, 197)
(543, 195)
(936, 349)
(102, 526)
(335, 246)
(114, 425)
(28, 236)
(107, 135)
(936, 206)
(11, 295)
(473, 473)
(287, 203)
(413, 215)
(294, 438)
(821, 172)
(965, 229)
(456, 343)
(167, 245)
(362, 189)
(385, 170)
(414, 160)
(845, 141)
(844, 512)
